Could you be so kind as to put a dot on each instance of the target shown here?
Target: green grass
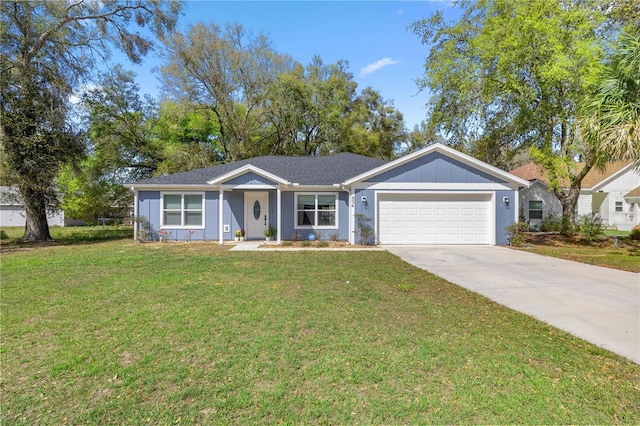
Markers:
(616, 233)
(624, 259)
(10, 236)
(119, 332)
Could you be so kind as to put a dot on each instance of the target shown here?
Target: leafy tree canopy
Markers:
(510, 75)
(48, 49)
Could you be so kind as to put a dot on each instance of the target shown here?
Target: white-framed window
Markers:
(535, 209)
(182, 210)
(618, 206)
(317, 210)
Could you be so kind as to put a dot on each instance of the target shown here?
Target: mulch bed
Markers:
(559, 240)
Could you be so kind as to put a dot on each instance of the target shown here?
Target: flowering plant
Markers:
(238, 233)
(242, 232)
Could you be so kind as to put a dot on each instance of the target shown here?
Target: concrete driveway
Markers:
(600, 305)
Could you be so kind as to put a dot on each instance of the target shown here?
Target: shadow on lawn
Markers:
(76, 237)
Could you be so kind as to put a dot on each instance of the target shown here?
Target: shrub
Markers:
(295, 237)
(334, 237)
(322, 244)
(517, 233)
(551, 222)
(305, 243)
(145, 232)
(635, 233)
(590, 226)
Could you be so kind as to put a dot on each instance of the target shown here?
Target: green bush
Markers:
(635, 233)
(551, 222)
(517, 233)
(590, 226)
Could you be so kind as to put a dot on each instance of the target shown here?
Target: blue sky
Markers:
(371, 35)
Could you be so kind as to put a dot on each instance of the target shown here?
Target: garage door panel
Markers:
(434, 219)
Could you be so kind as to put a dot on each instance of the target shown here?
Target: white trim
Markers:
(297, 188)
(135, 214)
(450, 152)
(182, 209)
(221, 216)
(433, 186)
(169, 188)
(278, 215)
(516, 215)
(492, 207)
(249, 187)
(244, 169)
(316, 194)
(352, 216)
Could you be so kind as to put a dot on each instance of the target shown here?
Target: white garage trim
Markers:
(464, 204)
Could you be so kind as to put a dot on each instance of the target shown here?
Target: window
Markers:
(182, 210)
(316, 210)
(535, 209)
(619, 206)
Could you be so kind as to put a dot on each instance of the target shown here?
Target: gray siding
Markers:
(539, 191)
(149, 207)
(435, 167)
(505, 214)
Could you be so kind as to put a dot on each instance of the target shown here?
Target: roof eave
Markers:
(245, 169)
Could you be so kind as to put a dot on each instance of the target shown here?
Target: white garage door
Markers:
(434, 218)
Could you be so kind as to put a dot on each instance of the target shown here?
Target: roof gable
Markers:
(595, 177)
(424, 165)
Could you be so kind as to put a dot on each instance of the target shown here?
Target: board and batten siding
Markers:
(149, 207)
(436, 168)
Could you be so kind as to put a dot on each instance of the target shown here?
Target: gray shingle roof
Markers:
(323, 170)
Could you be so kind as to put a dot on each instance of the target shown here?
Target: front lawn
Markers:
(625, 256)
(120, 332)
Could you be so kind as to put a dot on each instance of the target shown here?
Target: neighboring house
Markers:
(433, 196)
(12, 212)
(614, 193)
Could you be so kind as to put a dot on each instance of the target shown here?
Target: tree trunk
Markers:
(568, 202)
(36, 227)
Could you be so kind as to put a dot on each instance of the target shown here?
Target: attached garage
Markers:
(451, 218)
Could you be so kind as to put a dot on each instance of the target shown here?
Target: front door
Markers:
(256, 213)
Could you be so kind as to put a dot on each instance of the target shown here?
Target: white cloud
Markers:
(381, 63)
(74, 98)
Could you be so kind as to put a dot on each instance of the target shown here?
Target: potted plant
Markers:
(270, 232)
(238, 233)
(242, 235)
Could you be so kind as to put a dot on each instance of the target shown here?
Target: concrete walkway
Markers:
(600, 305)
(273, 246)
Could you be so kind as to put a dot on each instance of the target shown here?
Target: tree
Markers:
(189, 137)
(48, 50)
(612, 117)
(228, 70)
(510, 75)
(308, 108)
(378, 128)
(119, 125)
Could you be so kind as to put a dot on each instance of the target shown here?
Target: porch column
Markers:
(278, 215)
(220, 216)
(135, 214)
(352, 216)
